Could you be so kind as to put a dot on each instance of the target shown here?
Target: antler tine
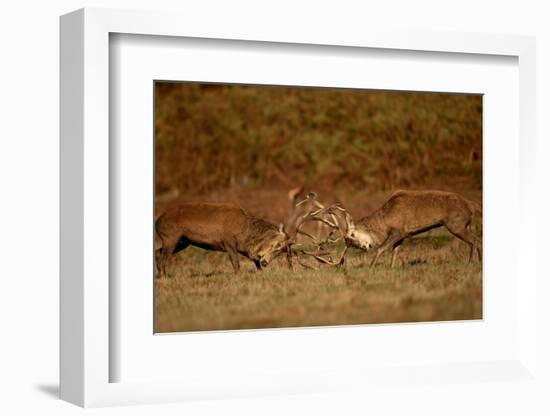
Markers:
(314, 216)
(318, 204)
(324, 221)
(306, 234)
(322, 259)
(312, 196)
(348, 219)
(322, 209)
(294, 222)
(337, 206)
(311, 213)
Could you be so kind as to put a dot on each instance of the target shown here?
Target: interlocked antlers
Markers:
(331, 216)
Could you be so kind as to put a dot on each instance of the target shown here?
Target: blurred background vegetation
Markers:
(211, 137)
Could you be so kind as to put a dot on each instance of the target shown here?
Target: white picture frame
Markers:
(85, 220)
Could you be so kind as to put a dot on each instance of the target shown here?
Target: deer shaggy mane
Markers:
(259, 230)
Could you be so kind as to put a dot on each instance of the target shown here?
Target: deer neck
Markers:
(372, 227)
(259, 232)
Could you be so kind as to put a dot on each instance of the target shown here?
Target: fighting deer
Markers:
(406, 214)
(219, 227)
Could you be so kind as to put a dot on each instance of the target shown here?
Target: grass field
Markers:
(433, 283)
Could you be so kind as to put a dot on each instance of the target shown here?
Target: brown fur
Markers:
(407, 213)
(220, 227)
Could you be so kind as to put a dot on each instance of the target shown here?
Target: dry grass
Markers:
(434, 283)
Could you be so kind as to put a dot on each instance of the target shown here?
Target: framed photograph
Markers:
(273, 212)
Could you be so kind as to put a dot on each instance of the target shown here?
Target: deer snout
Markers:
(358, 240)
(263, 263)
(351, 240)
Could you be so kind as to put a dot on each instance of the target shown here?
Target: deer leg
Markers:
(158, 256)
(168, 247)
(378, 254)
(479, 255)
(289, 257)
(343, 259)
(464, 234)
(393, 238)
(234, 257)
(395, 250)
(460, 236)
(477, 243)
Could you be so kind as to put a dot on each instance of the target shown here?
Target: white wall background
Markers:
(29, 116)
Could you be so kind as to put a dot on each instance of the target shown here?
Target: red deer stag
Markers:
(408, 213)
(220, 227)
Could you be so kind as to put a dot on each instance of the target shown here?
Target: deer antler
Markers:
(320, 215)
(348, 220)
(325, 260)
(312, 196)
(331, 216)
(316, 215)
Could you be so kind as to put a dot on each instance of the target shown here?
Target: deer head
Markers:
(353, 236)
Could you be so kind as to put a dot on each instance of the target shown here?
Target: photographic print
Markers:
(280, 207)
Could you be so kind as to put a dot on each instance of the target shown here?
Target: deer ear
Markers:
(349, 221)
